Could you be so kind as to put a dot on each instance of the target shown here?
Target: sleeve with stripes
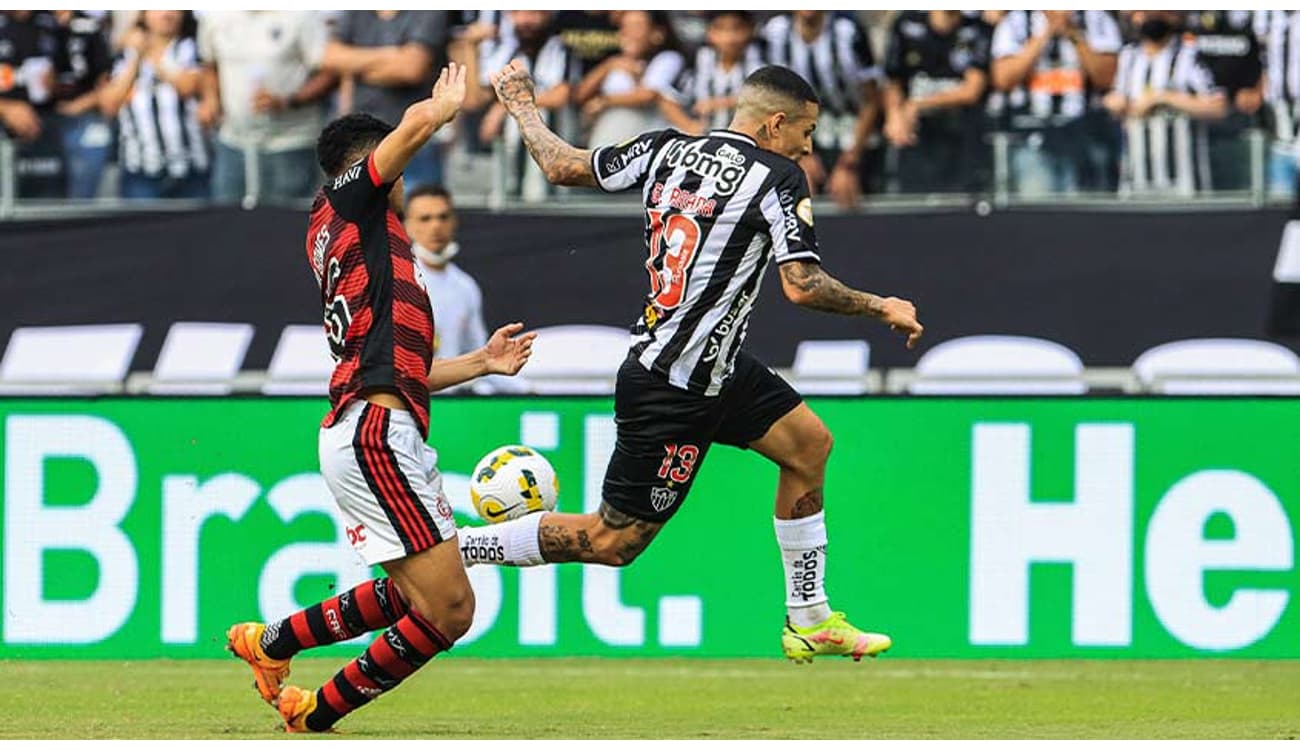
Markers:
(787, 208)
(625, 166)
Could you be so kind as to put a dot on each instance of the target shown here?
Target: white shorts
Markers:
(386, 482)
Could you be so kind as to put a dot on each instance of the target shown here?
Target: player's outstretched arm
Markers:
(808, 285)
(504, 354)
(562, 163)
(420, 122)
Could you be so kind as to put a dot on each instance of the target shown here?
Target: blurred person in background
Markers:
(154, 94)
(29, 48)
(1228, 45)
(591, 36)
(1162, 93)
(529, 38)
(1282, 94)
(937, 69)
(83, 66)
(832, 52)
(391, 57)
(705, 93)
(620, 97)
(264, 86)
(457, 301)
(1051, 64)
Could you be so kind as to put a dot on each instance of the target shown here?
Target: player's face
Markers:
(793, 134)
(431, 221)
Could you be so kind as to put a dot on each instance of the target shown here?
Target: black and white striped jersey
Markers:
(717, 209)
(159, 130)
(1056, 91)
(838, 64)
(1283, 88)
(709, 79)
(1165, 151)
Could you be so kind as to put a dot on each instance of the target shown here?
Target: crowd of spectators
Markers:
(226, 105)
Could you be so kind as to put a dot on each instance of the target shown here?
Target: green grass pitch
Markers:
(678, 698)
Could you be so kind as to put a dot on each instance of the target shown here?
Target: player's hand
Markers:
(448, 93)
(900, 316)
(514, 87)
(505, 353)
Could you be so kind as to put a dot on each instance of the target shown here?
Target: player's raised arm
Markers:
(807, 284)
(562, 163)
(420, 122)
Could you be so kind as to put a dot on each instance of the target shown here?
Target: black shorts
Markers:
(664, 432)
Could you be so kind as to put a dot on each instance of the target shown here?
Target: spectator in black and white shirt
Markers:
(1161, 92)
(1052, 64)
(1230, 48)
(28, 51)
(530, 37)
(154, 96)
(832, 52)
(1282, 95)
(938, 74)
(706, 91)
(620, 96)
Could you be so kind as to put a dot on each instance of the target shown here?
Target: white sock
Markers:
(803, 553)
(509, 543)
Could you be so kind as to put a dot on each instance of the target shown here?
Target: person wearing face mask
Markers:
(456, 299)
(1163, 94)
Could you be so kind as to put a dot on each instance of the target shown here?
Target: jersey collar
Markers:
(724, 133)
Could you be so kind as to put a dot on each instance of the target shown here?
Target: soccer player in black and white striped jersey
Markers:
(718, 208)
(1161, 88)
(705, 93)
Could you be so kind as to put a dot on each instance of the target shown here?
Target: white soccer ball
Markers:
(512, 481)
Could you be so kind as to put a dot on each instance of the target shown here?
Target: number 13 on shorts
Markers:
(679, 462)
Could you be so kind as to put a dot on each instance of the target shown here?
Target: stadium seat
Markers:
(998, 365)
(200, 358)
(1219, 366)
(831, 367)
(67, 360)
(301, 364)
(576, 359)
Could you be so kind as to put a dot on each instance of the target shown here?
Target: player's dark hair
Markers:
(430, 191)
(743, 15)
(783, 81)
(347, 139)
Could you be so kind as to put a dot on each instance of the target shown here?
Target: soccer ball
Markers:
(511, 481)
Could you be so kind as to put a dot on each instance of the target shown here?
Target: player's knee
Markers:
(449, 607)
(814, 450)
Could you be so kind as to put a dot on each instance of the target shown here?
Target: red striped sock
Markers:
(372, 605)
(391, 658)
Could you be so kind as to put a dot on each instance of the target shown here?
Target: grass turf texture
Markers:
(593, 698)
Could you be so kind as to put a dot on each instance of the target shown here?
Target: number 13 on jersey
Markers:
(673, 241)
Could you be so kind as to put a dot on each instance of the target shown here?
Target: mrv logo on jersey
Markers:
(725, 171)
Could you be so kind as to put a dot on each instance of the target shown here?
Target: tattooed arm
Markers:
(808, 285)
(562, 163)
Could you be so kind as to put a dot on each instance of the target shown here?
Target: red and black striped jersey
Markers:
(377, 315)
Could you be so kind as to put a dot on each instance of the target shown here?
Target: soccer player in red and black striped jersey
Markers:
(372, 443)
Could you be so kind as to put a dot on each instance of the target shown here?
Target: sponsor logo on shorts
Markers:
(356, 535)
(662, 498)
(444, 508)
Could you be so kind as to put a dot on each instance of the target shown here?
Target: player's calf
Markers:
(608, 537)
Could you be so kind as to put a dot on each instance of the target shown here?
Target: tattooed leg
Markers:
(608, 537)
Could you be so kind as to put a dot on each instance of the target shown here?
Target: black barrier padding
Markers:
(1108, 285)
